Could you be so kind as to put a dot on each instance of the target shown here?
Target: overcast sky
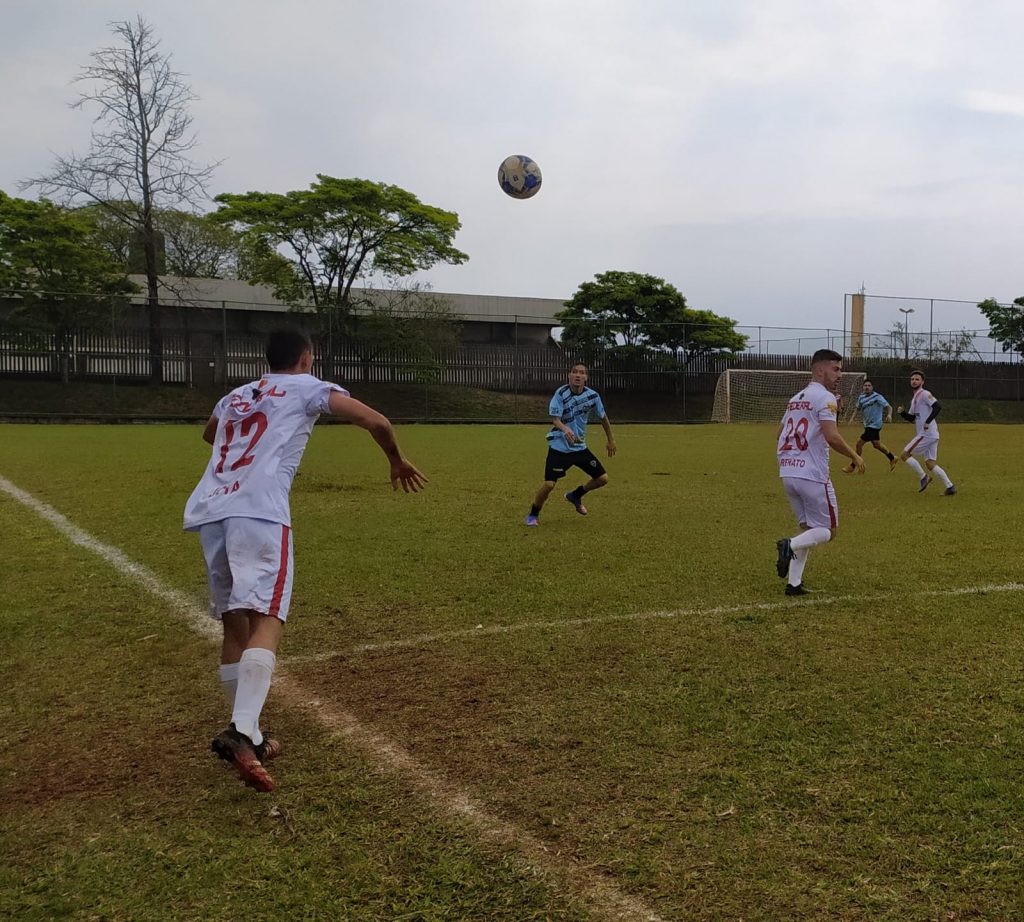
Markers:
(764, 156)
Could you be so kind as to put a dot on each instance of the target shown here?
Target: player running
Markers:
(240, 508)
(567, 442)
(924, 408)
(871, 405)
(807, 432)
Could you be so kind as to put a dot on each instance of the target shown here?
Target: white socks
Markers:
(228, 675)
(801, 546)
(913, 464)
(255, 670)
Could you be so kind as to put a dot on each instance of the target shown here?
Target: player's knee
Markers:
(602, 480)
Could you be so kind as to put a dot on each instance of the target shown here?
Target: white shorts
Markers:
(923, 447)
(814, 504)
(249, 563)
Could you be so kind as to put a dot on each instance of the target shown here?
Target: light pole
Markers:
(906, 312)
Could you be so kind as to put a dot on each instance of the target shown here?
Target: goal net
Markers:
(745, 395)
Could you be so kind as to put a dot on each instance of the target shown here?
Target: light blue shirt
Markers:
(871, 406)
(573, 410)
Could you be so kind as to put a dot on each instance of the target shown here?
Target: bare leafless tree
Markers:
(139, 158)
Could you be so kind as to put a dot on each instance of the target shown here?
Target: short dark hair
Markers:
(825, 355)
(285, 346)
(917, 372)
(868, 381)
(577, 364)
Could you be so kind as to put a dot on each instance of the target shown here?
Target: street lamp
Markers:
(906, 312)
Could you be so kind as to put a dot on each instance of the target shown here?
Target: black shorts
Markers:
(557, 463)
(871, 435)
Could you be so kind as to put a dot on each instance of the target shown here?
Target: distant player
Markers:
(871, 405)
(924, 408)
(570, 409)
(241, 510)
(807, 431)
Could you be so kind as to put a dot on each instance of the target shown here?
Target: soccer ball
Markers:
(519, 176)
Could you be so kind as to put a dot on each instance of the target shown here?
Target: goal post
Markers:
(748, 395)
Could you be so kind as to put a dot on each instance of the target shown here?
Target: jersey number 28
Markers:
(796, 433)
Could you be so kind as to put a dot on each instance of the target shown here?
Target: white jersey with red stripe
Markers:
(802, 449)
(921, 404)
(262, 431)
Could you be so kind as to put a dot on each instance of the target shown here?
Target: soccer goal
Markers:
(746, 395)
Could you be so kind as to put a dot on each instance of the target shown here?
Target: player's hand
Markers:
(611, 448)
(858, 463)
(402, 472)
(570, 437)
(899, 409)
(926, 427)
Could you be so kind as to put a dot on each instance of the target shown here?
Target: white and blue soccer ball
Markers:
(519, 176)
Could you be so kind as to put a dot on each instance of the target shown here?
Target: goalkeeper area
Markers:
(745, 395)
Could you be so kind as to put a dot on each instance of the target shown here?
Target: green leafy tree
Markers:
(197, 246)
(623, 312)
(60, 277)
(312, 245)
(1005, 322)
(140, 157)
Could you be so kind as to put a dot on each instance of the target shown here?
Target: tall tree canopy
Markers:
(336, 232)
(62, 278)
(625, 311)
(140, 156)
(1005, 322)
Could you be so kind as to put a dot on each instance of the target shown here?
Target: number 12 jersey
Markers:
(262, 431)
(802, 449)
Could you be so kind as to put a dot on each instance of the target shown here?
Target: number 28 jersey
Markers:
(802, 449)
(262, 431)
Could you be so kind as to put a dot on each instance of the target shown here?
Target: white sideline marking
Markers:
(603, 897)
(421, 640)
(183, 604)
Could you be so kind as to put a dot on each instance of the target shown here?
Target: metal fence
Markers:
(685, 385)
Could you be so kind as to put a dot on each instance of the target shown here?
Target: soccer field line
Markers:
(423, 640)
(387, 756)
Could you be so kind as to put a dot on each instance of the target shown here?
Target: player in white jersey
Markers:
(241, 510)
(807, 431)
(924, 408)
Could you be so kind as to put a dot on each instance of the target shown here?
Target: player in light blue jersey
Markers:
(872, 405)
(570, 410)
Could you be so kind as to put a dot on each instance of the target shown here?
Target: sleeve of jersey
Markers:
(826, 411)
(599, 406)
(318, 400)
(555, 407)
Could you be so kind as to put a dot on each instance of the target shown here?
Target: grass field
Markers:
(612, 717)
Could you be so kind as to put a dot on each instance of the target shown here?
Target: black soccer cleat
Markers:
(577, 503)
(797, 590)
(238, 749)
(950, 491)
(785, 555)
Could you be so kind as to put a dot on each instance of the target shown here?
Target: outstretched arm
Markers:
(839, 445)
(607, 426)
(379, 427)
(210, 432)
